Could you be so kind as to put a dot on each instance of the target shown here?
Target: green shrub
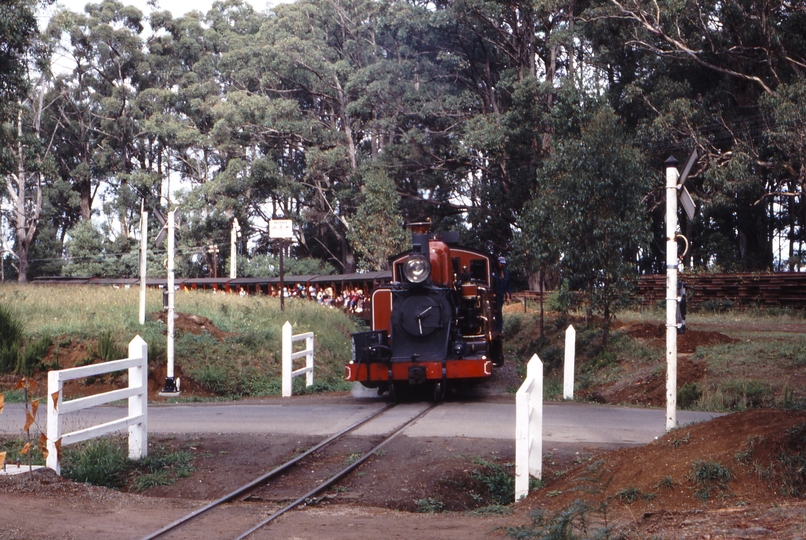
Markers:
(602, 360)
(744, 394)
(31, 359)
(11, 338)
(213, 378)
(429, 505)
(791, 462)
(688, 395)
(552, 357)
(707, 475)
(628, 495)
(11, 331)
(99, 462)
(500, 482)
(9, 358)
(106, 349)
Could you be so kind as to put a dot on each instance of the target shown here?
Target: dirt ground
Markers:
(739, 476)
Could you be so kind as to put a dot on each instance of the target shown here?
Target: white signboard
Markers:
(687, 203)
(281, 228)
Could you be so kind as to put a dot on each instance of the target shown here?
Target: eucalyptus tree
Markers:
(589, 206)
(696, 75)
(506, 59)
(26, 144)
(377, 227)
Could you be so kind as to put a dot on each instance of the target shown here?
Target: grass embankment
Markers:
(100, 321)
(737, 360)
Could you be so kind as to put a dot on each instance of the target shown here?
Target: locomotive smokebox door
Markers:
(371, 346)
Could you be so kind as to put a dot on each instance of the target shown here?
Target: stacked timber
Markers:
(724, 291)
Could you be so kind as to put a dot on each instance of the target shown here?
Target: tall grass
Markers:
(247, 362)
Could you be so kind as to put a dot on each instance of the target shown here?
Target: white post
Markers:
(286, 355)
(309, 361)
(529, 428)
(54, 424)
(138, 404)
(171, 384)
(671, 293)
(143, 263)
(570, 354)
(233, 237)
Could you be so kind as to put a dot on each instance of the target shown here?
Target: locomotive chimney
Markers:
(419, 236)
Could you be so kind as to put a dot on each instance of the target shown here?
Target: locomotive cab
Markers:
(433, 324)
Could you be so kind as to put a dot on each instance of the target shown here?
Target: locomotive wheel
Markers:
(439, 392)
(497, 352)
(395, 392)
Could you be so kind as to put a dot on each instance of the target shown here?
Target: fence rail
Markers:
(137, 393)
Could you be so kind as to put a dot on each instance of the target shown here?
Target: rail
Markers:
(529, 428)
(136, 393)
(289, 356)
(243, 492)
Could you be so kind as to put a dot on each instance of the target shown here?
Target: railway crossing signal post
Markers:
(143, 261)
(171, 384)
(674, 189)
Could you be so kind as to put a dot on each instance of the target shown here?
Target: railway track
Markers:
(260, 508)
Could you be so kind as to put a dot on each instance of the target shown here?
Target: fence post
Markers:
(138, 404)
(54, 432)
(286, 360)
(529, 428)
(309, 361)
(570, 354)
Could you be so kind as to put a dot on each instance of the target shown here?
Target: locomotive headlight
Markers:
(417, 268)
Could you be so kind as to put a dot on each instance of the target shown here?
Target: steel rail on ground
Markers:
(263, 479)
(338, 476)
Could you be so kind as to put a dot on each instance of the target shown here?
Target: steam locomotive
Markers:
(432, 326)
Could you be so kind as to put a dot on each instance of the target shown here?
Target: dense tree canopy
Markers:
(538, 130)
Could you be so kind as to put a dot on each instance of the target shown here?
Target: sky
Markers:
(176, 7)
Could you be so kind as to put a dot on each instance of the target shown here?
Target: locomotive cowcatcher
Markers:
(432, 326)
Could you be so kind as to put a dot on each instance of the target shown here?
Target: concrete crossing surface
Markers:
(579, 423)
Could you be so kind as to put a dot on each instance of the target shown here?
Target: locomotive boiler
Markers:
(432, 326)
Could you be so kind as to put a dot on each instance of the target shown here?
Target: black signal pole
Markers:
(282, 276)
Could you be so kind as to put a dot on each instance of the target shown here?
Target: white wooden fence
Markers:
(289, 356)
(137, 394)
(529, 428)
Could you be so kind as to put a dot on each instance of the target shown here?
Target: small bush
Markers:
(666, 482)
(11, 330)
(602, 359)
(11, 339)
(31, 359)
(791, 462)
(746, 394)
(429, 506)
(552, 357)
(688, 395)
(213, 378)
(99, 462)
(499, 481)
(628, 495)
(106, 349)
(708, 475)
